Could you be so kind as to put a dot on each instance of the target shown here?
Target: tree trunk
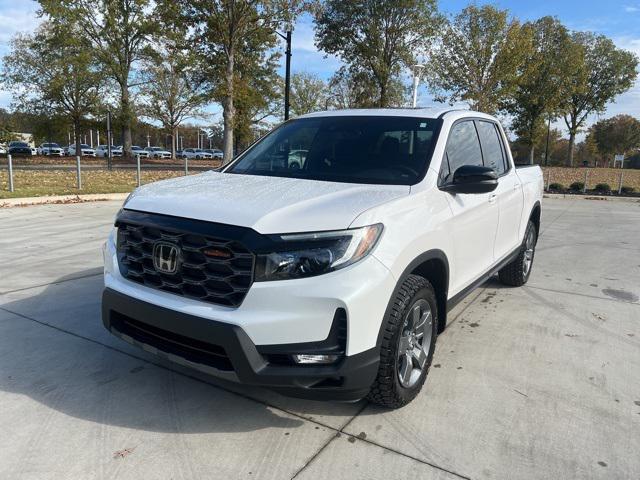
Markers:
(531, 154)
(572, 148)
(125, 107)
(228, 109)
(174, 133)
(382, 102)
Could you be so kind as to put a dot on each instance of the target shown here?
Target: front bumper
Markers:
(225, 350)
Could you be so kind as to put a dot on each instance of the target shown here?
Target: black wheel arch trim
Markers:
(537, 205)
(434, 254)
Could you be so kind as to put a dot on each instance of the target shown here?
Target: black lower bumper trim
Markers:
(226, 351)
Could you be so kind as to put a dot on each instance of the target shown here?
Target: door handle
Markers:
(492, 198)
(516, 186)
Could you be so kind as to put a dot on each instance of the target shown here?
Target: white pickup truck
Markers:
(330, 280)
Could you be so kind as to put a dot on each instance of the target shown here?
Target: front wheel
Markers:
(409, 335)
(517, 272)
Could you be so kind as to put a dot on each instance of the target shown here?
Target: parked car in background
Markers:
(51, 149)
(34, 151)
(196, 153)
(215, 153)
(86, 150)
(19, 149)
(297, 158)
(3, 150)
(103, 151)
(117, 151)
(137, 151)
(158, 152)
(334, 279)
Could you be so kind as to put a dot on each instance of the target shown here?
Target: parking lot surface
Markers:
(535, 382)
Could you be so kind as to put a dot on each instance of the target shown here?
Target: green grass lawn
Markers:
(37, 183)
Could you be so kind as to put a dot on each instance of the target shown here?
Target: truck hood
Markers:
(265, 204)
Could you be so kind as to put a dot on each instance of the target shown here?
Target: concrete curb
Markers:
(592, 197)
(56, 199)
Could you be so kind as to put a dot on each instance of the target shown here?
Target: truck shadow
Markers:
(55, 351)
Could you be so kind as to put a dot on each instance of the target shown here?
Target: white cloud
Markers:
(628, 102)
(19, 17)
(306, 56)
(15, 17)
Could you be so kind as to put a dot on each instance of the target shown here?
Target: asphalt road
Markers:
(537, 382)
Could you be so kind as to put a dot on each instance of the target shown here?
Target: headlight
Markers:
(310, 254)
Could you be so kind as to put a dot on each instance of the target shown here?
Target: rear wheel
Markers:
(518, 271)
(408, 342)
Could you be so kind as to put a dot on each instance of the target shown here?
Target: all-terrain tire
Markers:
(516, 273)
(387, 390)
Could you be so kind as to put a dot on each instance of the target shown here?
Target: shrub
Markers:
(556, 187)
(576, 186)
(628, 189)
(603, 187)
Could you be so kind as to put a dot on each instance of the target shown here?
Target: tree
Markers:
(230, 36)
(172, 91)
(258, 96)
(6, 127)
(601, 73)
(616, 135)
(118, 31)
(376, 39)
(543, 79)
(478, 59)
(308, 93)
(52, 73)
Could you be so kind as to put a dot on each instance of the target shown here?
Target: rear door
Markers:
(475, 216)
(509, 191)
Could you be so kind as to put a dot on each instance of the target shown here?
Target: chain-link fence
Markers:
(43, 176)
(592, 180)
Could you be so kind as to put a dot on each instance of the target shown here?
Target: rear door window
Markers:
(492, 150)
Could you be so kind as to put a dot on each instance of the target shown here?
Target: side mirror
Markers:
(472, 179)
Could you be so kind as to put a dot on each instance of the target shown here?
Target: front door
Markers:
(509, 191)
(475, 216)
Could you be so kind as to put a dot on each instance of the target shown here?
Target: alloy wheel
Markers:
(414, 343)
(529, 247)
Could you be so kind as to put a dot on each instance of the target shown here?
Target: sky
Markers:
(617, 19)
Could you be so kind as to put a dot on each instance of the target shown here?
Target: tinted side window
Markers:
(491, 148)
(463, 148)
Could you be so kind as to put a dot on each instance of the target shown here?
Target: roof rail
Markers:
(453, 110)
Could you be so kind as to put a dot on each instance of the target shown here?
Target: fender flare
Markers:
(537, 204)
(434, 254)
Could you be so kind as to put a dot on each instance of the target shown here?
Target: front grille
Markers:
(223, 279)
(188, 348)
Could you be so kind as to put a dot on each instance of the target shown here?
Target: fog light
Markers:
(315, 358)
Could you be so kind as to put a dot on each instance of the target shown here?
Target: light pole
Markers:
(417, 71)
(287, 75)
(109, 139)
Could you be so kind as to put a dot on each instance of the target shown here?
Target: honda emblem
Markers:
(165, 257)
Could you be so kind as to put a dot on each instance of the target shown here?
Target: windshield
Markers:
(18, 144)
(51, 145)
(359, 149)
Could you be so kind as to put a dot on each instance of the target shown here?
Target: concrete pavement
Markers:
(535, 382)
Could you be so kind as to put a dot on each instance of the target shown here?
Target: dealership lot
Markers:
(536, 382)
